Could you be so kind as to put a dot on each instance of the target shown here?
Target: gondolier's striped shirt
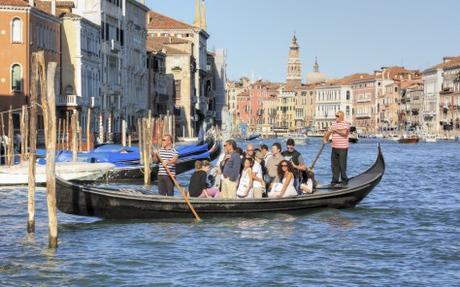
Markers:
(339, 141)
(167, 154)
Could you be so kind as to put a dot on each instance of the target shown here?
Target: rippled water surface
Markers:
(406, 232)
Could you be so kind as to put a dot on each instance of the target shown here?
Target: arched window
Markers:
(16, 78)
(16, 30)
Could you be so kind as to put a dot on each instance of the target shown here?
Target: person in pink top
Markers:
(339, 131)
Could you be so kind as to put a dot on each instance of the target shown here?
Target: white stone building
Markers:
(81, 63)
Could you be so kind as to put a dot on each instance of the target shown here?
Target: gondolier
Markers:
(168, 155)
(339, 131)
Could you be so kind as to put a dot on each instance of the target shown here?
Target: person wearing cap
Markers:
(339, 131)
(257, 176)
(295, 157)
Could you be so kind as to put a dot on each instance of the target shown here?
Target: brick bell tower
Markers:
(294, 74)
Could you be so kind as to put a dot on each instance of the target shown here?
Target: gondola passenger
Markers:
(272, 165)
(258, 184)
(285, 187)
(230, 170)
(198, 186)
(245, 186)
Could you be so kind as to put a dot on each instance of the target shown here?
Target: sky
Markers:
(347, 36)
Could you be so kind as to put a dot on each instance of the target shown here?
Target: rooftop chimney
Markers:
(32, 3)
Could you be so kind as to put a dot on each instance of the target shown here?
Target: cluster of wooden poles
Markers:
(43, 88)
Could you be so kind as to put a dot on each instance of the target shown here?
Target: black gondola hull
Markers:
(124, 204)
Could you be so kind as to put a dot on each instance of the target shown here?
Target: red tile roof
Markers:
(159, 21)
(44, 6)
(155, 44)
(19, 3)
(449, 62)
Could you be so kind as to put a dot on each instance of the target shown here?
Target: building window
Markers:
(16, 78)
(16, 30)
(177, 84)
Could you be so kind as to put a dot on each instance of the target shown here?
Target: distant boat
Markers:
(353, 136)
(252, 137)
(413, 139)
(19, 174)
(430, 139)
(297, 137)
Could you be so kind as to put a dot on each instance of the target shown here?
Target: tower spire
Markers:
(294, 74)
(316, 66)
(203, 16)
(197, 21)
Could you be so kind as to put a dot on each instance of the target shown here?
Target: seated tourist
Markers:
(198, 186)
(308, 183)
(245, 187)
(285, 186)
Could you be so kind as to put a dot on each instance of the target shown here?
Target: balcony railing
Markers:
(363, 115)
(71, 101)
(363, 100)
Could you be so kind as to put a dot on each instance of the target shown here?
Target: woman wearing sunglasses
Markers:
(285, 188)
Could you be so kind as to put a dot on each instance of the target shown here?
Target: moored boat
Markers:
(409, 139)
(79, 199)
(252, 137)
(19, 174)
(135, 173)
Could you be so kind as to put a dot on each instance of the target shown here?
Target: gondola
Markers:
(79, 199)
(135, 173)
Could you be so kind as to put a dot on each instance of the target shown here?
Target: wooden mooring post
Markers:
(36, 62)
(22, 127)
(147, 148)
(10, 156)
(74, 130)
(49, 118)
(88, 130)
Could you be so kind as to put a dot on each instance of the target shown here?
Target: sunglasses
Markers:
(250, 150)
(337, 116)
(163, 140)
(284, 165)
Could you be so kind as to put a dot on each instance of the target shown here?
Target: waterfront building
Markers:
(220, 75)
(163, 26)
(160, 86)
(269, 108)
(122, 61)
(233, 89)
(432, 83)
(388, 94)
(305, 106)
(135, 99)
(286, 110)
(411, 106)
(81, 64)
(333, 96)
(181, 65)
(25, 27)
(364, 103)
(449, 98)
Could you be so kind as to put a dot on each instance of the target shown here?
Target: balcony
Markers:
(115, 46)
(363, 100)
(70, 101)
(363, 115)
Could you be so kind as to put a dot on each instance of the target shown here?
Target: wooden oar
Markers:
(182, 191)
(317, 156)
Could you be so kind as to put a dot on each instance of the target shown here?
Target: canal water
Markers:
(405, 233)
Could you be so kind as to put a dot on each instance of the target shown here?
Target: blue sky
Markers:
(347, 36)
